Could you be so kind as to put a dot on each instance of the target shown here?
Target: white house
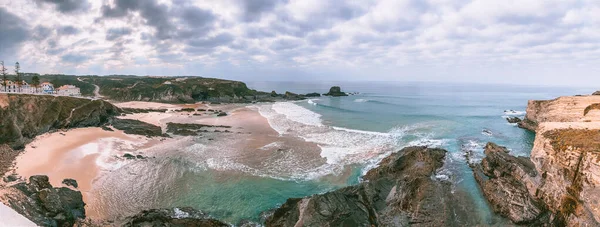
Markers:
(68, 90)
(47, 88)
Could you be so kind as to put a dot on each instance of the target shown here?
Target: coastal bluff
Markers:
(23, 117)
(559, 184)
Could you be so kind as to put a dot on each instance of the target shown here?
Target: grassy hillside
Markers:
(156, 89)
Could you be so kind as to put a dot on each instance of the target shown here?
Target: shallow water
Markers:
(352, 133)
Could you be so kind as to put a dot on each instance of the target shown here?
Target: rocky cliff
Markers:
(25, 116)
(559, 184)
(562, 109)
(43, 204)
(402, 191)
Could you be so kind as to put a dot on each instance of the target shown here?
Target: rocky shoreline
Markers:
(558, 184)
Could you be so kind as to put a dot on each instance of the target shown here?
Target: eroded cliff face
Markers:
(23, 117)
(568, 157)
(402, 191)
(559, 184)
(562, 109)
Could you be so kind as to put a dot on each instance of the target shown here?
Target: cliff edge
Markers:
(559, 184)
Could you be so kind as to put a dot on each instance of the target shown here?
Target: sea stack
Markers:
(336, 91)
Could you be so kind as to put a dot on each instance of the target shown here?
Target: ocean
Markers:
(353, 134)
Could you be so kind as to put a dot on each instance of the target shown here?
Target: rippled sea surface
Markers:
(352, 133)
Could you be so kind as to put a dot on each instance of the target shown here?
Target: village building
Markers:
(68, 90)
(47, 88)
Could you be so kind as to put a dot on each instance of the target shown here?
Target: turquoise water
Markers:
(353, 132)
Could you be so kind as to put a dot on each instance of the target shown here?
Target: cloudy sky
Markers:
(552, 42)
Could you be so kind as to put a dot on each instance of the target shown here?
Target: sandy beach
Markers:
(90, 154)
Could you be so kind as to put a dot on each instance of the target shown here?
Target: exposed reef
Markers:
(402, 191)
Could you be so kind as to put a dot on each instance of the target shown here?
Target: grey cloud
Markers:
(197, 17)
(115, 33)
(219, 40)
(68, 6)
(14, 32)
(285, 44)
(68, 30)
(155, 15)
(254, 9)
(74, 58)
(41, 32)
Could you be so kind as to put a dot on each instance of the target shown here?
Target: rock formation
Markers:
(503, 179)
(172, 217)
(136, 127)
(25, 116)
(513, 120)
(562, 176)
(402, 191)
(43, 204)
(335, 91)
(562, 109)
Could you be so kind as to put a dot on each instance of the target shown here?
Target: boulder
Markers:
(292, 96)
(70, 182)
(172, 217)
(402, 191)
(335, 91)
(504, 179)
(314, 94)
(596, 93)
(45, 205)
(513, 120)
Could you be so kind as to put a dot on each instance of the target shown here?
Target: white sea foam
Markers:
(271, 145)
(297, 113)
(312, 101)
(514, 112)
(361, 100)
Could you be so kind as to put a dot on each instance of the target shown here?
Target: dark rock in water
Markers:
(221, 114)
(513, 120)
(487, 132)
(596, 93)
(314, 94)
(292, 96)
(128, 156)
(503, 180)
(274, 94)
(402, 191)
(70, 182)
(136, 127)
(336, 91)
(527, 124)
(44, 204)
(140, 157)
(190, 129)
(172, 217)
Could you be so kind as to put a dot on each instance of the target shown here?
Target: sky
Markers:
(543, 42)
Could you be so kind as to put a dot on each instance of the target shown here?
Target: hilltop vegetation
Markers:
(155, 89)
(172, 89)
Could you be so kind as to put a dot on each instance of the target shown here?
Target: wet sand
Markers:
(72, 154)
